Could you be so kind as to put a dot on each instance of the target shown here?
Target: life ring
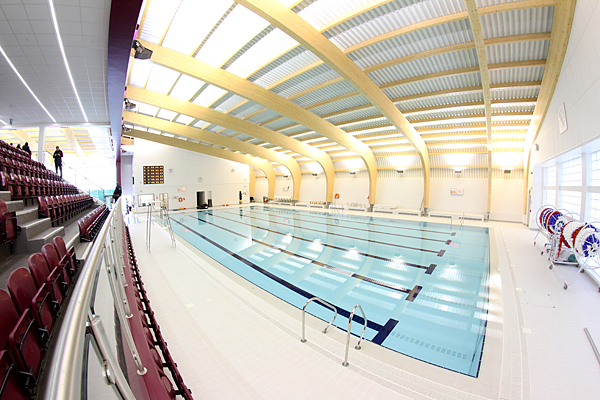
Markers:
(337, 196)
(180, 199)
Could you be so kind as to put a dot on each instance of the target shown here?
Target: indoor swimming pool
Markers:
(423, 286)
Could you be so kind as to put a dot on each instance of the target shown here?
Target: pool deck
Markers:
(234, 341)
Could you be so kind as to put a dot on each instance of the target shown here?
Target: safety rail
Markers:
(164, 216)
(303, 340)
(357, 347)
(64, 379)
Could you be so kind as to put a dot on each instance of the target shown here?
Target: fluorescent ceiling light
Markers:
(25, 84)
(238, 28)
(64, 56)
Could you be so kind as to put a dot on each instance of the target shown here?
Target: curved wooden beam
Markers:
(228, 81)
(564, 12)
(248, 128)
(485, 83)
(210, 137)
(263, 165)
(305, 34)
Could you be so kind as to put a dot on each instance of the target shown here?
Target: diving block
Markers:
(386, 207)
(353, 208)
(302, 204)
(317, 205)
(473, 217)
(442, 214)
(337, 206)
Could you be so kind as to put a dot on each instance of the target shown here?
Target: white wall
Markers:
(182, 169)
(507, 200)
(472, 201)
(127, 174)
(578, 88)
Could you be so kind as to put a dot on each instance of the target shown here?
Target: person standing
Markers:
(26, 148)
(58, 155)
(117, 192)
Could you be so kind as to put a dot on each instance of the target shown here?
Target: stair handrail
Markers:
(357, 347)
(303, 340)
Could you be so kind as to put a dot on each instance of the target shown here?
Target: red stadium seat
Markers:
(12, 388)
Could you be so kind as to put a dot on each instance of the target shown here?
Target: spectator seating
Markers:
(12, 387)
(90, 224)
(8, 225)
(146, 328)
(60, 208)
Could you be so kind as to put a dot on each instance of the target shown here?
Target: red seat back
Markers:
(51, 255)
(12, 388)
(8, 316)
(22, 288)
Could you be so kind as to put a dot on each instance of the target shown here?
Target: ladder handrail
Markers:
(357, 347)
(303, 340)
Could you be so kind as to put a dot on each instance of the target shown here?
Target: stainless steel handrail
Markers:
(357, 347)
(149, 225)
(303, 340)
(95, 323)
(592, 343)
(63, 380)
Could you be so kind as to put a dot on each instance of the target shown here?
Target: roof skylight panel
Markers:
(186, 87)
(184, 119)
(209, 95)
(272, 45)
(161, 79)
(237, 29)
(147, 109)
(166, 114)
(157, 20)
(322, 12)
(193, 21)
(201, 124)
(140, 72)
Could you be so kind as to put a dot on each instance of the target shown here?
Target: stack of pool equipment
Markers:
(571, 240)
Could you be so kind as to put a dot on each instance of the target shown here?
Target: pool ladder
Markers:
(350, 318)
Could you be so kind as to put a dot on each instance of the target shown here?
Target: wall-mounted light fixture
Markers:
(286, 176)
(458, 170)
(353, 171)
(399, 170)
(315, 174)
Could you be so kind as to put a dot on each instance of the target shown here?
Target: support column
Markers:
(41, 142)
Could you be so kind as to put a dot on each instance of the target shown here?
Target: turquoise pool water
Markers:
(423, 286)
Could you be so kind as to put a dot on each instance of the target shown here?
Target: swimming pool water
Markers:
(423, 286)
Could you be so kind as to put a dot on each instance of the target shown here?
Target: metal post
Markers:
(357, 347)
(116, 376)
(592, 343)
(303, 340)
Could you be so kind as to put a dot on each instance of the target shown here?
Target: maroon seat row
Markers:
(17, 154)
(146, 331)
(23, 187)
(8, 226)
(28, 315)
(9, 165)
(63, 207)
(90, 224)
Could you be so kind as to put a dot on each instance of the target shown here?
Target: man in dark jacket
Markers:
(117, 192)
(58, 155)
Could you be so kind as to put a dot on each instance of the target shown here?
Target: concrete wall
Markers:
(183, 169)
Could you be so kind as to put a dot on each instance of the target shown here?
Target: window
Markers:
(596, 169)
(551, 176)
(550, 197)
(570, 201)
(595, 207)
(572, 173)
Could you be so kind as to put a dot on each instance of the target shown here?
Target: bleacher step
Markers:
(34, 244)
(32, 228)
(15, 205)
(5, 195)
(27, 215)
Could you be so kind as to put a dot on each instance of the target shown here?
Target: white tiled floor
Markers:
(233, 341)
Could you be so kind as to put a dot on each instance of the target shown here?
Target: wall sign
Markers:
(562, 119)
(457, 192)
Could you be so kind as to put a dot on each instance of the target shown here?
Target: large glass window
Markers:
(595, 207)
(551, 176)
(550, 197)
(572, 173)
(570, 201)
(596, 168)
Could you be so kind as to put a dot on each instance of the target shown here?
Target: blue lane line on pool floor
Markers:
(412, 293)
(428, 269)
(382, 333)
